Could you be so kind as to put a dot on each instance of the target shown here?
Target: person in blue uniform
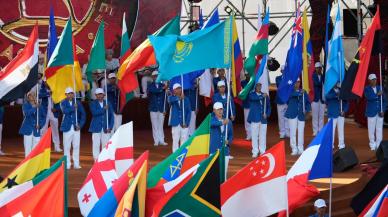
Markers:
(318, 105)
(53, 112)
(113, 94)
(157, 108)
(320, 208)
(284, 129)
(1, 128)
(220, 77)
(33, 121)
(222, 97)
(245, 105)
(73, 120)
(180, 114)
(297, 107)
(336, 109)
(221, 132)
(260, 109)
(192, 94)
(100, 126)
(375, 109)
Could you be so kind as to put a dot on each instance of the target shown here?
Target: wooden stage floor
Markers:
(354, 136)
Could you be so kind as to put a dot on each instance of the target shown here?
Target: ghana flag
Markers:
(37, 161)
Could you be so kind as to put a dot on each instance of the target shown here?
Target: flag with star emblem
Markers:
(108, 203)
(45, 195)
(258, 189)
(200, 196)
(37, 161)
(115, 158)
(294, 61)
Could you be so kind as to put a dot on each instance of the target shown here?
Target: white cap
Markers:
(155, 72)
(175, 86)
(218, 105)
(69, 90)
(221, 83)
(320, 203)
(99, 91)
(282, 68)
(112, 75)
(372, 76)
(318, 64)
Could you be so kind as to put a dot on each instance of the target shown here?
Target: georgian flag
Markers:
(115, 158)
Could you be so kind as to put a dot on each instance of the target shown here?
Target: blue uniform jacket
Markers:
(256, 110)
(318, 84)
(44, 96)
(334, 105)
(29, 120)
(295, 105)
(176, 111)
(373, 104)
(278, 81)
(68, 118)
(57, 107)
(98, 122)
(192, 95)
(157, 96)
(245, 103)
(215, 81)
(232, 108)
(113, 94)
(1, 114)
(217, 137)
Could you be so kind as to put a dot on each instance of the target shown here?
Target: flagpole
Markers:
(75, 98)
(165, 99)
(196, 93)
(330, 195)
(106, 101)
(340, 71)
(228, 102)
(37, 106)
(183, 101)
(381, 85)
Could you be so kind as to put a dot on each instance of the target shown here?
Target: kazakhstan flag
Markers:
(202, 49)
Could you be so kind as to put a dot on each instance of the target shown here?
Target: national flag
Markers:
(335, 69)
(294, 61)
(200, 20)
(200, 196)
(142, 56)
(259, 188)
(21, 74)
(45, 195)
(115, 158)
(308, 59)
(364, 52)
(347, 85)
(37, 161)
(63, 69)
(97, 53)
(326, 48)
(237, 61)
(133, 201)
(109, 202)
(188, 79)
(314, 163)
(178, 55)
(52, 35)
(363, 201)
(262, 76)
(192, 152)
(258, 48)
(378, 207)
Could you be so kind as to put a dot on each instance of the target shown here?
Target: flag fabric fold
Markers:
(308, 59)
(52, 35)
(97, 53)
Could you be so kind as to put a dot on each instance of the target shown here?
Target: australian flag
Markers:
(294, 61)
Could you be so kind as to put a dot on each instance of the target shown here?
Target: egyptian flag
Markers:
(21, 74)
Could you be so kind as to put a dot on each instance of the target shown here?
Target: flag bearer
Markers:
(218, 127)
(335, 112)
(71, 126)
(113, 94)
(297, 107)
(180, 114)
(375, 109)
(157, 108)
(245, 105)
(100, 129)
(222, 97)
(192, 94)
(260, 109)
(318, 105)
(33, 121)
(284, 129)
(53, 112)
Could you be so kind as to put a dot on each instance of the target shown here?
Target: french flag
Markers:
(314, 163)
(379, 206)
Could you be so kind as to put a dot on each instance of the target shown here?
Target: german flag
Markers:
(37, 161)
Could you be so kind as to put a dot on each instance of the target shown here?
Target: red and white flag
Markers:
(113, 161)
(258, 189)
